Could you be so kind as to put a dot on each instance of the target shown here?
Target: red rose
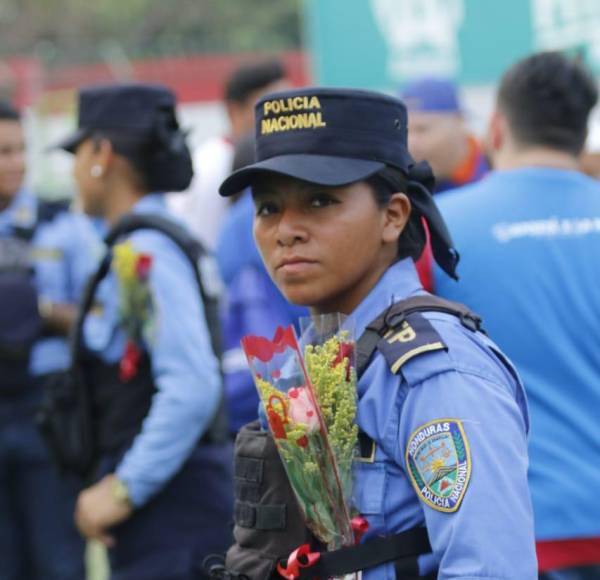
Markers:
(130, 360)
(346, 351)
(142, 266)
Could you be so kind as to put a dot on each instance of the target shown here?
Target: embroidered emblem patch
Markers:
(439, 463)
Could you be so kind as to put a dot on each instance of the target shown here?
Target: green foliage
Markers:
(71, 30)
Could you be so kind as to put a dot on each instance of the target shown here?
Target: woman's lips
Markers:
(295, 265)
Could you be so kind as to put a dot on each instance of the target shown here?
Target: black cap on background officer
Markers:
(140, 121)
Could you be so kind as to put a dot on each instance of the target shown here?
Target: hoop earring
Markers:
(96, 171)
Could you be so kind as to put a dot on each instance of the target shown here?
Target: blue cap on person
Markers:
(431, 95)
(140, 120)
(335, 137)
(133, 108)
(331, 137)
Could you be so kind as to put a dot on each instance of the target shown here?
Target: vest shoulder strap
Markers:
(192, 249)
(203, 266)
(199, 260)
(401, 332)
(46, 212)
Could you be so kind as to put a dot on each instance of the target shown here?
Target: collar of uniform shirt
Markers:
(398, 282)
(20, 212)
(150, 203)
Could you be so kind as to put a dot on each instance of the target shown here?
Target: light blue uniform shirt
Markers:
(65, 252)
(184, 368)
(529, 241)
(490, 535)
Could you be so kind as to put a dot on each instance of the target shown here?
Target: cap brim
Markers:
(321, 169)
(70, 143)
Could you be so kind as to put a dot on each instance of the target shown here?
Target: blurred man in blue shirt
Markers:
(46, 254)
(529, 237)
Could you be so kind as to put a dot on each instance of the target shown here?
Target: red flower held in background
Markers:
(143, 266)
(130, 361)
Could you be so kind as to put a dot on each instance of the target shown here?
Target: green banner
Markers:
(380, 44)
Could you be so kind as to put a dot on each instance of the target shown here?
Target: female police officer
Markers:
(164, 497)
(339, 210)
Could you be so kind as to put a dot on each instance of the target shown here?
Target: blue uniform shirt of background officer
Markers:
(46, 254)
(339, 204)
(165, 499)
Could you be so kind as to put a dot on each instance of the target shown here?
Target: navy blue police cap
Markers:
(130, 108)
(335, 137)
(330, 137)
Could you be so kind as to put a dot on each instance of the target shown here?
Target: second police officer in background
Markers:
(148, 354)
(339, 204)
(46, 255)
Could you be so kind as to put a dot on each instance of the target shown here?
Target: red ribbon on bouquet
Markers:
(301, 557)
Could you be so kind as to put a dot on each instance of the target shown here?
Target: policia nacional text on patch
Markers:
(291, 114)
(439, 463)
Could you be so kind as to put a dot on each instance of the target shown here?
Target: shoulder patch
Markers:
(438, 460)
(414, 337)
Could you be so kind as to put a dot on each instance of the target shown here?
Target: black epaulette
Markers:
(401, 332)
(48, 210)
(414, 337)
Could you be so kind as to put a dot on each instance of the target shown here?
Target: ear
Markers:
(496, 135)
(103, 154)
(397, 213)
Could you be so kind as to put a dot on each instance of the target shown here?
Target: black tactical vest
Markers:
(117, 408)
(20, 322)
(88, 410)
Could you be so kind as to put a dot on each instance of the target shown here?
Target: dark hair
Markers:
(249, 78)
(8, 112)
(161, 158)
(412, 239)
(133, 148)
(547, 98)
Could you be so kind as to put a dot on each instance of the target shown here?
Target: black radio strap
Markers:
(376, 551)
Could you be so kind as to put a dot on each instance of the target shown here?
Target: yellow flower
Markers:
(336, 396)
(124, 260)
(135, 300)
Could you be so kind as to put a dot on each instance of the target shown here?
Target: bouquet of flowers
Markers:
(132, 269)
(309, 401)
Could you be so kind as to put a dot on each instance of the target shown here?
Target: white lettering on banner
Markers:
(549, 228)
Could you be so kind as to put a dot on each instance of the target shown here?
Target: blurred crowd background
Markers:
(51, 48)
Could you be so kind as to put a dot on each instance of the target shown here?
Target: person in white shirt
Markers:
(200, 206)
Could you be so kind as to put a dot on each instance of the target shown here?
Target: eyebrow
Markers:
(262, 191)
(303, 188)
